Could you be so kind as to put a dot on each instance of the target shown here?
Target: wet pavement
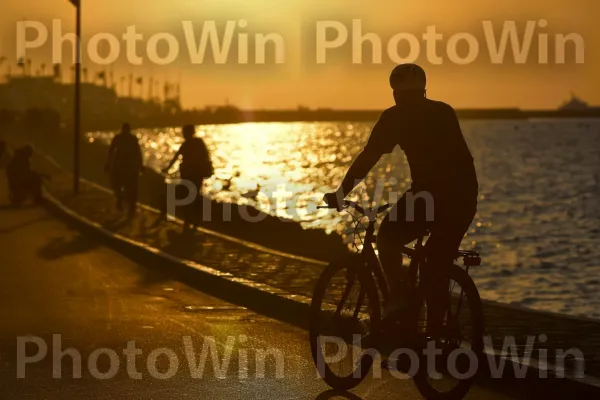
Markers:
(299, 277)
(58, 281)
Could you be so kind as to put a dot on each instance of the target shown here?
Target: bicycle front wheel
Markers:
(345, 320)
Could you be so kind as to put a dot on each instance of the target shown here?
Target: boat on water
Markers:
(577, 104)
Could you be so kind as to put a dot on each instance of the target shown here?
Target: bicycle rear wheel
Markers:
(345, 320)
(460, 340)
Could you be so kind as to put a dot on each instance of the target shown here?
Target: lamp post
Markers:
(77, 103)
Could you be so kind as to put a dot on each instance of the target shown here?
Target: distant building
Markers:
(101, 106)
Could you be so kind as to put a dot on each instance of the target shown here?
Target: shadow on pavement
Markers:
(183, 245)
(117, 224)
(10, 206)
(336, 394)
(16, 227)
(61, 247)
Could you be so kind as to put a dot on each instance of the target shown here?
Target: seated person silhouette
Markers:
(23, 182)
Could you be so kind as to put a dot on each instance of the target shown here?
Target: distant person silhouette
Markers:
(196, 165)
(124, 165)
(23, 182)
(442, 170)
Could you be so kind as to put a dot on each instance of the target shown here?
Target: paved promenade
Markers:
(298, 276)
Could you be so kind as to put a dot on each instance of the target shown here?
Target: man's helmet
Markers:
(408, 77)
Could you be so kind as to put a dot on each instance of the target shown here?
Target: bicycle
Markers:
(361, 277)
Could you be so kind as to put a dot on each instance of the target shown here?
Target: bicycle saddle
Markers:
(470, 258)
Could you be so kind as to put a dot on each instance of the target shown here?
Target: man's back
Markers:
(430, 135)
(195, 158)
(127, 154)
(193, 151)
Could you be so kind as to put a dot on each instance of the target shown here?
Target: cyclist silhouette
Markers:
(443, 194)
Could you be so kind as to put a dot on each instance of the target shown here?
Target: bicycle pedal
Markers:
(385, 364)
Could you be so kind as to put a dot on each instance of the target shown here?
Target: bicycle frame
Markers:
(373, 263)
(369, 257)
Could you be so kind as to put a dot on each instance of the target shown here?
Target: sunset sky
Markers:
(339, 83)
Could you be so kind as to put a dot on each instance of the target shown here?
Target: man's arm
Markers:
(175, 157)
(379, 143)
(362, 164)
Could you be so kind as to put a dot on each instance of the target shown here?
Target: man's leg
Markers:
(394, 232)
(161, 194)
(116, 182)
(198, 203)
(442, 248)
(189, 210)
(131, 193)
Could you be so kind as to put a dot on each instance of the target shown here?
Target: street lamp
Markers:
(77, 116)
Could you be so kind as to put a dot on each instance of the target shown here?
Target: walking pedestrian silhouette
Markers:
(196, 165)
(124, 165)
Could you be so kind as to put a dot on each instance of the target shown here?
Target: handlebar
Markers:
(357, 207)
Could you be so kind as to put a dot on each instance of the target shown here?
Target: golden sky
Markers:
(338, 83)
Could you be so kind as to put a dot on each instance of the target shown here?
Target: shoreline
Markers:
(278, 236)
(47, 119)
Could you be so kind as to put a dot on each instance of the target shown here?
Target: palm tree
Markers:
(140, 82)
(2, 61)
(157, 91)
(101, 76)
(122, 87)
(57, 72)
(21, 65)
(166, 90)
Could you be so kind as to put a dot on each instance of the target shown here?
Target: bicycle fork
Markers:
(347, 290)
